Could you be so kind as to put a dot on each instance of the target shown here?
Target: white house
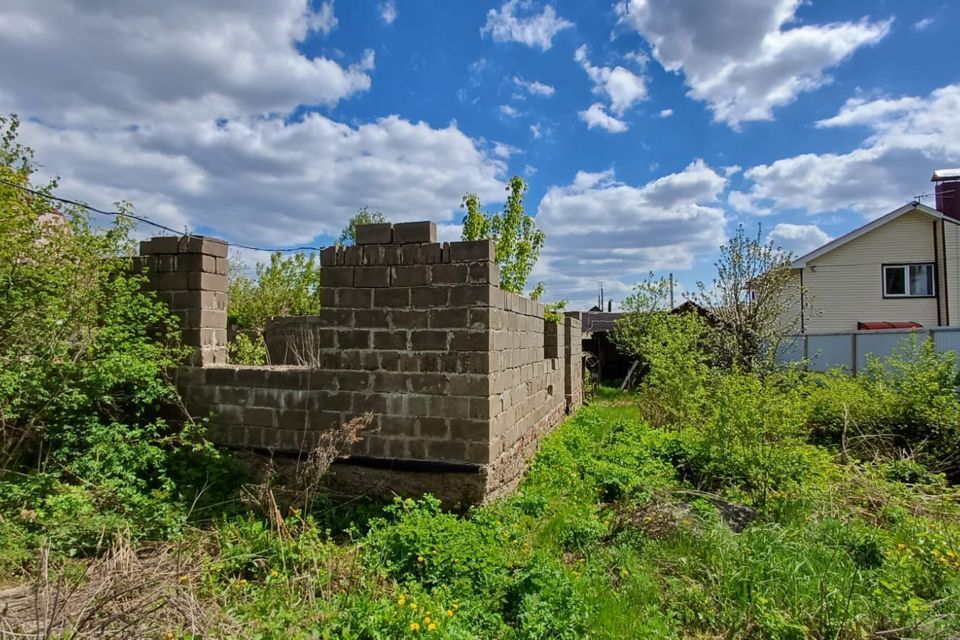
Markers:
(902, 269)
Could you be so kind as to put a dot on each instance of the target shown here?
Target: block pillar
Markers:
(190, 274)
(572, 363)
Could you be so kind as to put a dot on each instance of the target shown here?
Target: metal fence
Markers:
(849, 351)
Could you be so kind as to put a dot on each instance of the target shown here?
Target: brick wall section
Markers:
(454, 370)
(572, 362)
(190, 274)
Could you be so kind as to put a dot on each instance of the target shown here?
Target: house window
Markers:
(908, 280)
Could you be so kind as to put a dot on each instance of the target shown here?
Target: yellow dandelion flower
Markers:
(432, 626)
(402, 600)
(414, 627)
(243, 582)
(274, 573)
(169, 635)
(901, 546)
(184, 579)
(455, 606)
(419, 558)
(426, 620)
(449, 613)
(413, 605)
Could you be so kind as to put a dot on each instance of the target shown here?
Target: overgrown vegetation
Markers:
(85, 359)
(713, 503)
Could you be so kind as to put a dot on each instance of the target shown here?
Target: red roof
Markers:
(874, 326)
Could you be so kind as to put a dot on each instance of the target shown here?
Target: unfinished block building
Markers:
(461, 377)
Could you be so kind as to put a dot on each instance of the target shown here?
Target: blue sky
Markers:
(647, 129)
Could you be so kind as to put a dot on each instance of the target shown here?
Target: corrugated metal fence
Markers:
(849, 351)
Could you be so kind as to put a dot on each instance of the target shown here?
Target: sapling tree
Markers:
(753, 301)
(516, 237)
(348, 236)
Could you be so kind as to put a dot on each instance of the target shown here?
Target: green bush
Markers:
(906, 405)
(85, 356)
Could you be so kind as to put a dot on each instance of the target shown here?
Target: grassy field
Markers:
(607, 537)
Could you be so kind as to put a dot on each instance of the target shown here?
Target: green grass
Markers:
(605, 538)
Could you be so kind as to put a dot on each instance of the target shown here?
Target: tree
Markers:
(515, 235)
(752, 302)
(84, 359)
(348, 236)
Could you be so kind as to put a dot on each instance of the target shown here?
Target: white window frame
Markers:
(905, 267)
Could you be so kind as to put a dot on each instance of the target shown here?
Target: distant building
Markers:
(900, 270)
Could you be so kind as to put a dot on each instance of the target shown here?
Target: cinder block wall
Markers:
(190, 274)
(461, 377)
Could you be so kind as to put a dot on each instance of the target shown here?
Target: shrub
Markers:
(84, 362)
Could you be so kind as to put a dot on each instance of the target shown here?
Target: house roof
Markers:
(945, 174)
(802, 261)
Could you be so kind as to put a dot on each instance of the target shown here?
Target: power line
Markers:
(123, 214)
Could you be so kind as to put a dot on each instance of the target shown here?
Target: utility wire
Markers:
(122, 214)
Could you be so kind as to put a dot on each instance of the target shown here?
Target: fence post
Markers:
(853, 353)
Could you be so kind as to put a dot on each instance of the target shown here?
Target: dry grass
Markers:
(126, 593)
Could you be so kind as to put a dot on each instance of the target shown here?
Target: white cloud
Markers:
(600, 229)
(323, 20)
(534, 87)
(858, 111)
(509, 110)
(666, 113)
(535, 131)
(184, 109)
(638, 58)
(621, 86)
(81, 64)
(504, 150)
(529, 170)
(922, 24)
(533, 30)
(909, 137)
(799, 239)
(738, 56)
(596, 116)
(388, 11)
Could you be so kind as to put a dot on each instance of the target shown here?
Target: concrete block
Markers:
(465, 340)
(352, 256)
(431, 253)
(355, 298)
(206, 281)
(470, 295)
(398, 426)
(328, 256)
(354, 380)
(369, 403)
(429, 340)
(411, 276)
(469, 430)
(390, 340)
(472, 251)
(202, 244)
(448, 274)
(397, 297)
(484, 273)
(372, 277)
(353, 339)
(197, 262)
(408, 318)
(424, 297)
(410, 254)
(449, 450)
(381, 233)
(371, 318)
(434, 427)
(428, 383)
(390, 382)
(337, 276)
(443, 318)
(406, 232)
